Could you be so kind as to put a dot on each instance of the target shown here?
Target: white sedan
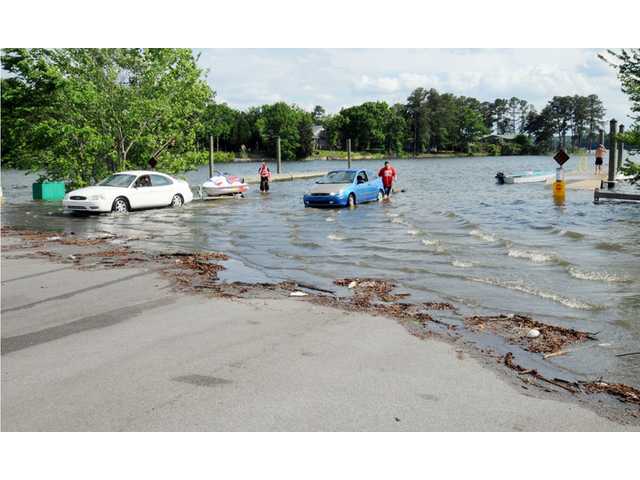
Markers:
(125, 191)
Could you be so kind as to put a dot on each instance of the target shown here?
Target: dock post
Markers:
(620, 148)
(348, 153)
(278, 156)
(601, 136)
(612, 153)
(210, 156)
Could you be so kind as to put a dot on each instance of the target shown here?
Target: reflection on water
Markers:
(453, 235)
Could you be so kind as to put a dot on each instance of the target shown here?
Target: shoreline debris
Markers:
(532, 335)
(620, 391)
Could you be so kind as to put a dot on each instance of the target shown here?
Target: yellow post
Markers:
(559, 187)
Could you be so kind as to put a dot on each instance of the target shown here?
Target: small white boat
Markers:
(529, 176)
(224, 184)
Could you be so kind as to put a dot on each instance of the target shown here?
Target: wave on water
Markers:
(331, 236)
(413, 232)
(435, 245)
(392, 215)
(572, 235)
(610, 247)
(487, 237)
(396, 220)
(461, 264)
(305, 244)
(330, 219)
(596, 276)
(520, 286)
(534, 256)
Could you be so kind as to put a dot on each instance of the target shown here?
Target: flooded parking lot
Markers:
(452, 236)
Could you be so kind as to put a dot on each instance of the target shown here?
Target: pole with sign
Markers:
(559, 186)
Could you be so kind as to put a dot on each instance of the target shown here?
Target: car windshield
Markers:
(118, 180)
(339, 176)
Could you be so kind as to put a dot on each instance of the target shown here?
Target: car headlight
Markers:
(96, 197)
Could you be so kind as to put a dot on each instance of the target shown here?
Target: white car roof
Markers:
(141, 172)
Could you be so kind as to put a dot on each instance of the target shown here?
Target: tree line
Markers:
(78, 114)
(429, 121)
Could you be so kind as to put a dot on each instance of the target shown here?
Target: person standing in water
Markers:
(600, 153)
(389, 175)
(265, 176)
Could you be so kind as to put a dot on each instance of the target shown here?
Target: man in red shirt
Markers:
(389, 175)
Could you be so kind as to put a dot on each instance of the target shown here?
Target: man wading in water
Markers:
(600, 153)
(389, 175)
(265, 175)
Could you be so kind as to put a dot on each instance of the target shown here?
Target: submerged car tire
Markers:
(351, 202)
(380, 195)
(120, 205)
(177, 201)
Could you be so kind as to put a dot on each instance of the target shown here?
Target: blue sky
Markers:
(335, 78)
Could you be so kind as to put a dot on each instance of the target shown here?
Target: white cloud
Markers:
(342, 77)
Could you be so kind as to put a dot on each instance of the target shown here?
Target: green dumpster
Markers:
(48, 191)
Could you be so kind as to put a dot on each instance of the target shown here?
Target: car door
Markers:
(373, 187)
(162, 190)
(141, 193)
(361, 186)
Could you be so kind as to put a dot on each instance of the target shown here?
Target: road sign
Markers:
(561, 157)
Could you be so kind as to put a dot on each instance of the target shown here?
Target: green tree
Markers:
(416, 119)
(365, 125)
(541, 126)
(501, 112)
(291, 124)
(219, 120)
(579, 119)
(81, 113)
(561, 109)
(627, 62)
(395, 129)
(488, 113)
(470, 124)
(305, 130)
(334, 128)
(318, 114)
(595, 112)
(441, 115)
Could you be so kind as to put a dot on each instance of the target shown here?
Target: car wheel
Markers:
(352, 200)
(177, 201)
(380, 195)
(120, 205)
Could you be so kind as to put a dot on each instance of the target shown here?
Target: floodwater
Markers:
(454, 235)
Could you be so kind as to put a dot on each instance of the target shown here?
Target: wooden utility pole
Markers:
(210, 156)
(620, 148)
(348, 152)
(278, 156)
(612, 153)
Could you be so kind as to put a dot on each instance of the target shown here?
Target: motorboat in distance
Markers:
(529, 176)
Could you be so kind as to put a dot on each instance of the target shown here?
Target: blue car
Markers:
(342, 188)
